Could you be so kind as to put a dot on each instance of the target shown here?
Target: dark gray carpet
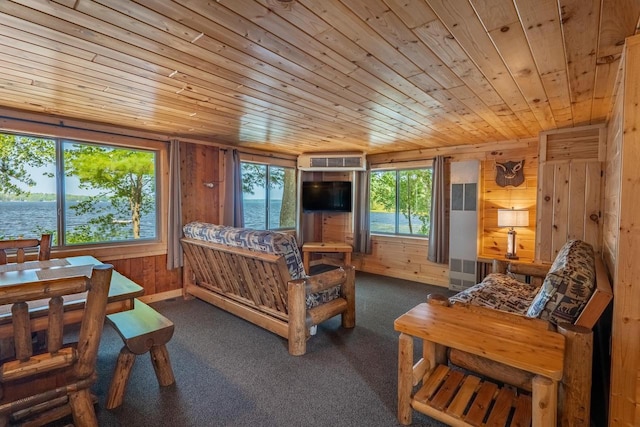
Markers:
(230, 372)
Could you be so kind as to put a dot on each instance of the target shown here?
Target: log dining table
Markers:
(122, 291)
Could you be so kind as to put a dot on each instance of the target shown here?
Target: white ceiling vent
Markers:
(332, 162)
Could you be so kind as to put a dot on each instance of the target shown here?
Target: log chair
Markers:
(39, 388)
(575, 388)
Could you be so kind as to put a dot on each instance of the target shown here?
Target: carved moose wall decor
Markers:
(510, 173)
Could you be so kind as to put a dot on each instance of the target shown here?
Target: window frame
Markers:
(107, 250)
(397, 170)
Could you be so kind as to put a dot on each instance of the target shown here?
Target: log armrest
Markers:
(301, 318)
(323, 281)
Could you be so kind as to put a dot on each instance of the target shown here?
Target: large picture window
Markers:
(268, 196)
(400, 201)
(82, 193)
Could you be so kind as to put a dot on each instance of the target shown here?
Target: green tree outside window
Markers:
(401, 201)
(269, 196)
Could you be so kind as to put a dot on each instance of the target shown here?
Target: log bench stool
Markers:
(143, 330)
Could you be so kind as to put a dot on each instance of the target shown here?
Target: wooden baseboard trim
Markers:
(147, 299)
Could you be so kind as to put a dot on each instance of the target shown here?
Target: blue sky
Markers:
(45, 184)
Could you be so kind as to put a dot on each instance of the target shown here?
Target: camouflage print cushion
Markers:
(568, 285)
(265, 241)
(500, 292)
(272, 242)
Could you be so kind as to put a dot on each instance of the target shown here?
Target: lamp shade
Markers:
(513, 218)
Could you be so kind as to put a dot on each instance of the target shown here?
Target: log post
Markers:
(438, 299)
(405, 378)
(44, 247)
(82, 408)
(188, 277)
(575, 390)
(435, 353)
(56, 324)
(348, 289)
(544, 402)
(21, 330)
(92, 325)
(297, 315)
(499, 266)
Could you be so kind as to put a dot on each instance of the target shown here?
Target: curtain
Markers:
(300, 215)
(174, 217)
(439, 232)
(361, 230)
(233, 214)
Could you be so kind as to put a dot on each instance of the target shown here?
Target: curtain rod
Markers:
(261, 153)
(60, 124)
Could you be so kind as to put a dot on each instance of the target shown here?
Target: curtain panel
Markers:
(174, 216)
(362, 230)
(232, 215)
(439, 230)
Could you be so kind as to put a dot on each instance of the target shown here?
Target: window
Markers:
(82, 193)
(400, 201)
(268, 196)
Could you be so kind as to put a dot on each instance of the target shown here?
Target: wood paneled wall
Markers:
(151, 273)
(622, 240)
(406, 257)
(202, 182)
(611, 197)
(493, 239)
(570, 185)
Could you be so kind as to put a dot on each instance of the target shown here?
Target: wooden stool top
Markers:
(142, 327)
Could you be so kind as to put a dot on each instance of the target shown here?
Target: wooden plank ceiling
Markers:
(317, 75)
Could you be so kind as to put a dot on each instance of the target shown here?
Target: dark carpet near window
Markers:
(230, 372)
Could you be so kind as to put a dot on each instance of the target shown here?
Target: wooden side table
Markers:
(445, 394)
(325, 247)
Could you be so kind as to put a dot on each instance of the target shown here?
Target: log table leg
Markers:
(544, 402)
(405, 378)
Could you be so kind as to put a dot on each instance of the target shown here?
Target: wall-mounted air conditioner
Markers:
(332, 162)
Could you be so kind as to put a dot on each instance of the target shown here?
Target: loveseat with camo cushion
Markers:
(567, 286)
(259, 275)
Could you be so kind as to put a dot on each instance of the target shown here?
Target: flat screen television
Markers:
(326, 196)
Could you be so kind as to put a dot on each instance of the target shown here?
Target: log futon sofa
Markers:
(259, 275)
(567, 297)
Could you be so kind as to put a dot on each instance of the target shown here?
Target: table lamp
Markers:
(512, 218)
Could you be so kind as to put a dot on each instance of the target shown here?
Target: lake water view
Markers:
(30, 219)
